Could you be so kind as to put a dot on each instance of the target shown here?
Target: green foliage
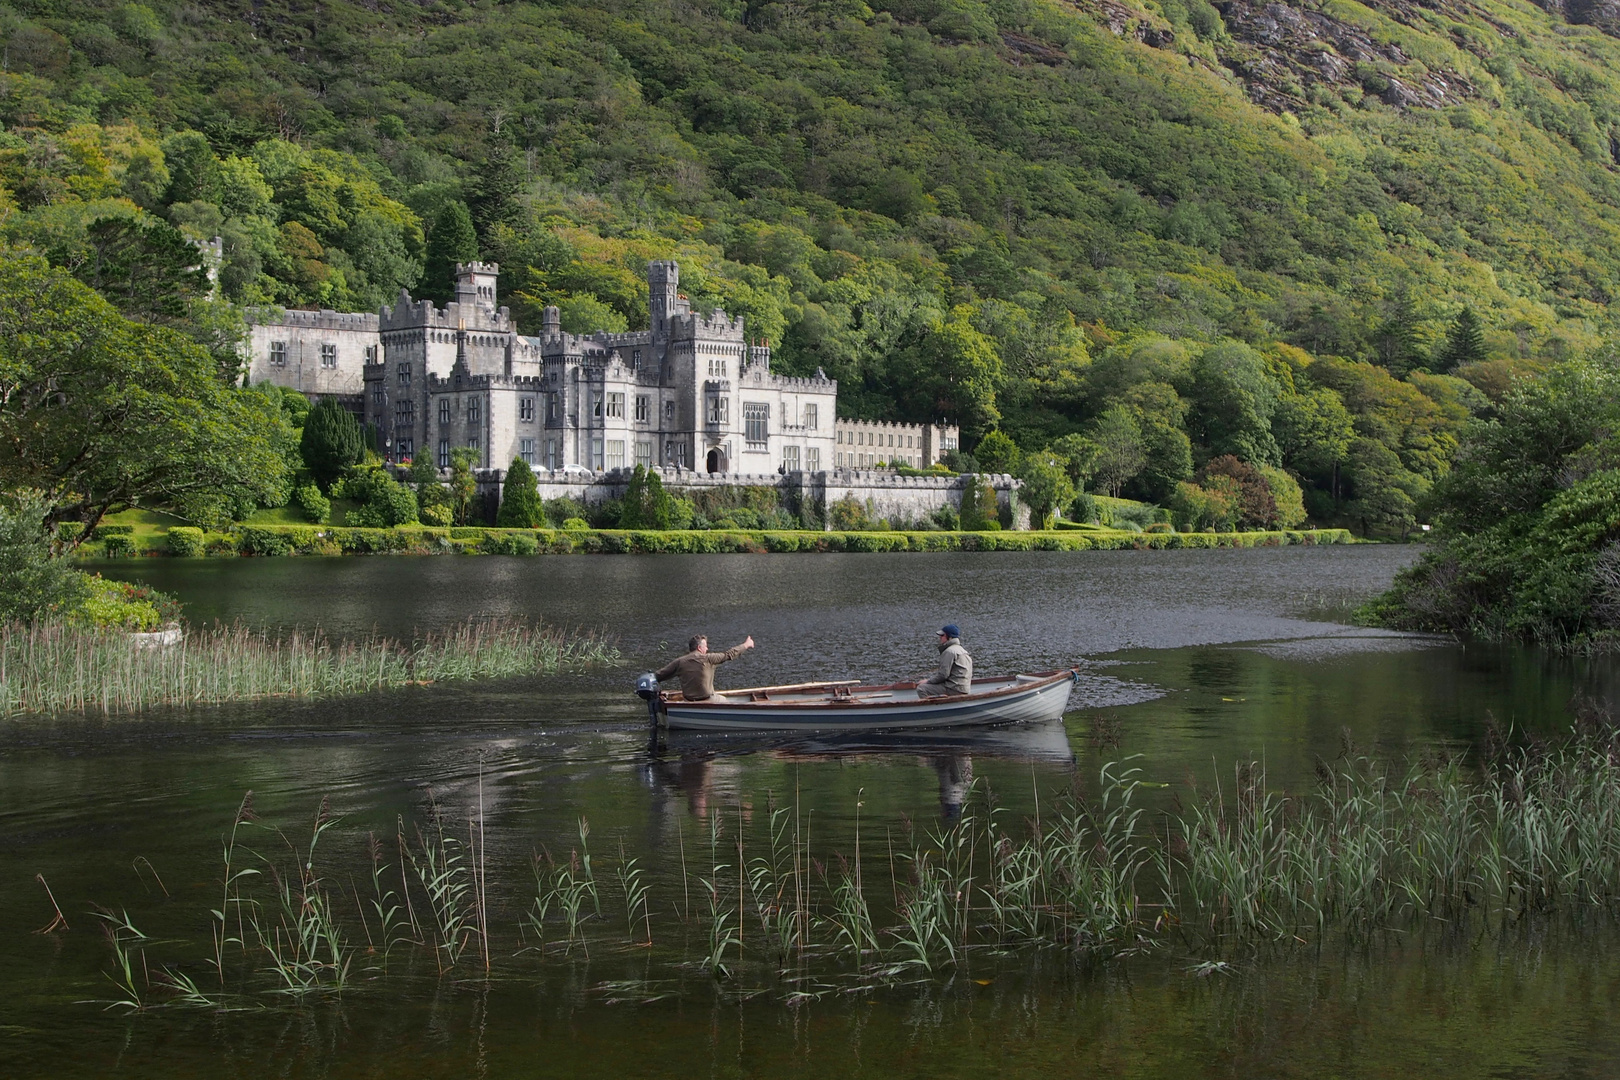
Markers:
(1528, 521)
(646, 505)
(1117, 435)
(898, 196)
(1047, 487)
(997, 453)
(148, 421)
(463, 484)
(1465, 344)
(849, 514)
(331, 443)
(451, 241)
(316, 507)
(35, 583)
(384, 501)
(185, 541)
(520, 498)
(979, 511)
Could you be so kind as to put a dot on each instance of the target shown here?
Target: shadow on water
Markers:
(1192, 661)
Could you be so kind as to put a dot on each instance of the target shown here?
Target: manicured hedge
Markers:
(281, 540)
(185, 541)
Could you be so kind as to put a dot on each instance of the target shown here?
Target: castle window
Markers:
(473, 411)
(444, 453)
(551, 454)
(839, 438)
(405, 411)
(404, 446)
(669, 412)
(596, 454)
(278, 353)
(328, 355)
(812, 458)
(551, 407)
(596, 404)
(472, 442)
(615, 406)
(719, 409)
(615, 453)
(635, 360)
(717, 367)
(641, 408)
(644, 452)
(756, 421)
(377, 395)
(526, 411)
(371, 354)
(790, 458)
(444, 412)
(811, 415)
(405, 375)
(526, 451)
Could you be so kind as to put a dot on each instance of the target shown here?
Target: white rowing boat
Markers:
(851, 707)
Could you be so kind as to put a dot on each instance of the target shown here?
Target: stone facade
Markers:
(861, 444)
(318, 353)
(882, 493)
(689, 392)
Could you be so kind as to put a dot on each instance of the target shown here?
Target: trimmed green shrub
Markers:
(119, 546)
(314, 506)
(185, 541)
(69, 531)
(509, 543)
(101, 532)
(576, 524)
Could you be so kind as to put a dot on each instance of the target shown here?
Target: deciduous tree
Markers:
(100, 413)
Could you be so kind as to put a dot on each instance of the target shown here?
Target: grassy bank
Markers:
(58, 668)
(758, 901)
(273, 540)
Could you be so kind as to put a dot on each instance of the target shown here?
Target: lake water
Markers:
(1193, 662)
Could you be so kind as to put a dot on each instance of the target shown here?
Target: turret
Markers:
(663, 294)
(550, 321)
(475, 285)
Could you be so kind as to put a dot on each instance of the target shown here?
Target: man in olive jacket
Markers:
(955, 674)
(696, 668)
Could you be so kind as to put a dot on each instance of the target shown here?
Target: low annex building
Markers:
(689, 392)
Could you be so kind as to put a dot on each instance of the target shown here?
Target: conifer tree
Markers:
(1466, 342)
(520, 498)
(332, 442)
(451, 241)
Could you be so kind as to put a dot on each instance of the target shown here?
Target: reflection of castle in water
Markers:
(702, 769)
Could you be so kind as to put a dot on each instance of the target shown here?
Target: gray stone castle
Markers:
(690, 392)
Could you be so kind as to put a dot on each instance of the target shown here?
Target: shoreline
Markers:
(318, 540)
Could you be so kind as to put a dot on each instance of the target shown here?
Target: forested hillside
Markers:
(1315, 237)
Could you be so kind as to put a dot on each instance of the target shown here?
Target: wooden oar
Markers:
(794, 686)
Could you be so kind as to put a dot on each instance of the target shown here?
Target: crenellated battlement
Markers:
(324, 319)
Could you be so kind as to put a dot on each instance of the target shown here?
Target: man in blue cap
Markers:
(955, 674)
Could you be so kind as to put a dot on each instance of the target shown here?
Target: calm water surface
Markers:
(1194, 661)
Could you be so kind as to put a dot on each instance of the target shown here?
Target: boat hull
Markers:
(1019, 699)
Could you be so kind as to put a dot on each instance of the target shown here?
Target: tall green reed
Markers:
(53, 667)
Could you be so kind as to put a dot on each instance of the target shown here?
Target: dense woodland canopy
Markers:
(1134, 240)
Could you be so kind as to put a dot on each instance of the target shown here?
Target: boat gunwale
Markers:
(1041, 680)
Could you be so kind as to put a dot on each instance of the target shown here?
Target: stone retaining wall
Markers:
(886, 494)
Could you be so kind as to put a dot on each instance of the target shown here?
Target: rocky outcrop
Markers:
(1281, 52)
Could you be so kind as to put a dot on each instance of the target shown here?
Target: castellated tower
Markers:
(663, 287)
(475, 285)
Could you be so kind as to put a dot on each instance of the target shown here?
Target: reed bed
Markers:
(54, 667)
(1534, 834)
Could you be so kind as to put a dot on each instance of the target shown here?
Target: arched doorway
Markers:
(717, 460)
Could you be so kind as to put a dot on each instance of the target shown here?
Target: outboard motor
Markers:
(647, 690)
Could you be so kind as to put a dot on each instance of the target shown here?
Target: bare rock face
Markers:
(1281, 51)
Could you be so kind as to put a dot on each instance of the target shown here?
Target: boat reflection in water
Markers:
(701, 767)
